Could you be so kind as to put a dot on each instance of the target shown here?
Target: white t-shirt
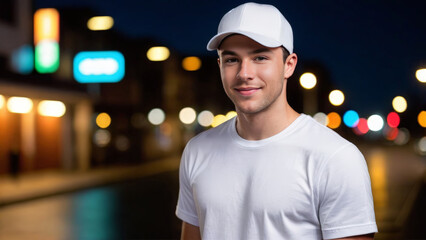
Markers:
(305, 182)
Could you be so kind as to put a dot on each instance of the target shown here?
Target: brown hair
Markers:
(285, 53)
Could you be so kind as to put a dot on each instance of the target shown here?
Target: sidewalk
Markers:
(41, 184)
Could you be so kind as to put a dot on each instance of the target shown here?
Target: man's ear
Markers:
(218, 58)
(290, 65)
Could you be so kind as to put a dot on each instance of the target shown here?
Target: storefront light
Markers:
(2, 100)
(19, 105)
(50, 108)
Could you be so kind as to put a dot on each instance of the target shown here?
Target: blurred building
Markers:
(29, 140)
(75, 140)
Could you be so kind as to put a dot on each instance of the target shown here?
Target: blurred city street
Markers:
(139, 202)
(99, 98)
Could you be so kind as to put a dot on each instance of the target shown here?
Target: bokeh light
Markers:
(321, 118)
(393, 119)
(122, 143)
(46, 58)
(334, 120)
(399, 104)
(230, 115)
(336, 97)
(421, 75)
(421, 118)
(351, 118)
(219, 119)
(19, 105)
(50, 108)
(391, 133)
(191, 63)
(103, 120)
(46, 25)
(159, 53)
(205, 118)
(166, 129)
(187, 115)
(2, 100)
(156, 116)
(375, 123)
(362, 127)
(308, 80)
(23, 59)
(403, 137)
(99, 66)
(421, 146)
(102, 137)
(100, 23)
(46, 40)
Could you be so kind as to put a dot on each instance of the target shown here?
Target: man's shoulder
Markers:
(320, 137)
(220, 133)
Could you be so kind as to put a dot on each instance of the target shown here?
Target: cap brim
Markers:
(215, 42)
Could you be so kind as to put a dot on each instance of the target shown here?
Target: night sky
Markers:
(370, 48)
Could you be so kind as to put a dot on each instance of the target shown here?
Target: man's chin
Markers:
(248, 110)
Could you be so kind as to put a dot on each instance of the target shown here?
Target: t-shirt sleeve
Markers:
(345, 199)
(186, 209)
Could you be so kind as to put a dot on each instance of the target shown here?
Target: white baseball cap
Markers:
(261, 22)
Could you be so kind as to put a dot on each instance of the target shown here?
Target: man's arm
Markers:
(190, 232)
(360, 237)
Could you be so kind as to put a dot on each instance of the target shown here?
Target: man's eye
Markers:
(231, 60)
(260, 58)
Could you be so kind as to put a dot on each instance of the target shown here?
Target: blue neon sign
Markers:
(99, 67)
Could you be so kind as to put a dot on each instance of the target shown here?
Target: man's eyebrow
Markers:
(260, 50)
(227, 52)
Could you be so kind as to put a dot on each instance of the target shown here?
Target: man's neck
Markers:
(265, 124)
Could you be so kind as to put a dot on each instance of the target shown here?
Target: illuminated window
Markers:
(51, 108)
(100, 23)
(2, 101)
(19, 105)
(158, 54)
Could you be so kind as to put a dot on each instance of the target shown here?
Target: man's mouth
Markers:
(247, 91)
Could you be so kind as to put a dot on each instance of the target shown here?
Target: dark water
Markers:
(140, 209)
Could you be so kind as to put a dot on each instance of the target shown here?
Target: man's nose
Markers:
(246, 71)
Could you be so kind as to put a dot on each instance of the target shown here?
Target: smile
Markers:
(247, 91)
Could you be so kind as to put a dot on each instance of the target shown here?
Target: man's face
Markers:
(252, 74)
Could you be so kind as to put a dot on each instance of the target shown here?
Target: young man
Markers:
(270, 172)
